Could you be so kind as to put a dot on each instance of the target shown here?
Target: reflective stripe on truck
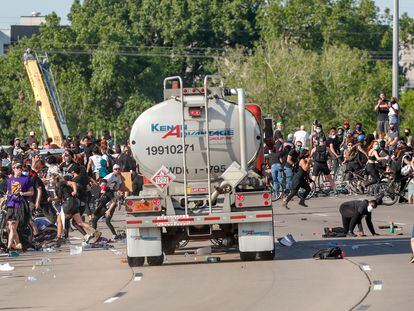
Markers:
(182, 220)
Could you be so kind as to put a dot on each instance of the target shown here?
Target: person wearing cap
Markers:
(31, 139)
(113, 183)
(19, 188)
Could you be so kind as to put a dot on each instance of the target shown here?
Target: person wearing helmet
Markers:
(320, 154)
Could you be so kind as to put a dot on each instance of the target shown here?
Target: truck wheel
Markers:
(168, 247)
(247, 256)
(155, 260)
(136, 261)
(266, 255)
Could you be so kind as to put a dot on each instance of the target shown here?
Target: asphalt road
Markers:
(375, 275)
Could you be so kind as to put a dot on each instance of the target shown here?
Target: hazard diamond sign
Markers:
(162, 178)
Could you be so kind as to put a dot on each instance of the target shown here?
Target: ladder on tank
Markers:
(206, 130)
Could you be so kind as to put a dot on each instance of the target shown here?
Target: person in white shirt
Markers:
(301, 136)
(94, 163)
(394, 111)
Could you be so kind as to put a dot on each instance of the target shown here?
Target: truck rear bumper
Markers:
(133, 221)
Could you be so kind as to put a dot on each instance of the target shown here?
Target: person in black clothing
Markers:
(300, 179)
(126, 161)
(87, 149)
(137, 181)
(40, 197)
(319, 154)
(68, 165)
(334, 145)
(290, 159)
(352, 213)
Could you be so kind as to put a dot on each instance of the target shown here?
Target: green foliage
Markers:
(299, 86)
(301, 59)
(407, 110)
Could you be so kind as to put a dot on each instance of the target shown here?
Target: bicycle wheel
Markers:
(323, 184)
(390, 193)
(301, 191)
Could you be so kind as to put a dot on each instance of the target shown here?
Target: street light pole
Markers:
(395, 48)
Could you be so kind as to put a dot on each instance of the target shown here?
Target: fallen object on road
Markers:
(287, 240)
(6, 267)
(213, 259)
(329, 253)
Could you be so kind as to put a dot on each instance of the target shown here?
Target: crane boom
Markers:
(51, 114)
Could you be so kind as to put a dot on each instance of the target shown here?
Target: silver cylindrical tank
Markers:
(156, 139)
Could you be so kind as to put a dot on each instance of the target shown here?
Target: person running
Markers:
(66, 192)
(300, 179)
(319, 154)
(19, 188)
(109, 186)
(275, 162)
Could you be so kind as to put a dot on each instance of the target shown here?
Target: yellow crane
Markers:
(46, 96)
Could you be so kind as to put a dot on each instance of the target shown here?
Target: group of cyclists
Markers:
(59, 187)
(307, 163)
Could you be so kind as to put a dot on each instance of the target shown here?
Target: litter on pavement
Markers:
(6, 267)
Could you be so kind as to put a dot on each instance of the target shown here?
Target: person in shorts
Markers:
(19, 188)
(319, 155)
(382, 109)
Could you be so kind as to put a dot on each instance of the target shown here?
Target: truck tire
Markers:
(155, 260)
(136, 261)
(168, 246)
(247, 256)
(266, 255)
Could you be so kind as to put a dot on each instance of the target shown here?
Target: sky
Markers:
(11, 10)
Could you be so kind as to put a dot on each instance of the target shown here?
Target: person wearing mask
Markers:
(126, 161)
(318, 132)
(372, 164)
(392, 137)
(17, 152)
(68, 164)
(275, 160)
(409, 138)
(19, 189)
(109, 186)
(358, 130)
(302, 136)
(352, 213)
(394, 112)
(320, 154)
(300, 179)
(382, 109)
(291, 162)
(334, 145)
(31, 139)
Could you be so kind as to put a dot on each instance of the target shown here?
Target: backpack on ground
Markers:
(329, 253)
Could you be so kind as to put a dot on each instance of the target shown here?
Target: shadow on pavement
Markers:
(351, 247)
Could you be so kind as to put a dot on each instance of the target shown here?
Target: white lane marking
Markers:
(110, 300)
(322, 215)
(366, 268)
(377, 285)
(137, 278)
(399, 223)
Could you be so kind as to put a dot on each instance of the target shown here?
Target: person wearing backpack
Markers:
(319, 155)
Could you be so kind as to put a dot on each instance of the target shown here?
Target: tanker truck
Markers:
(200, 155)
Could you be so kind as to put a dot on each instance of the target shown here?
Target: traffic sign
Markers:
(162, 178)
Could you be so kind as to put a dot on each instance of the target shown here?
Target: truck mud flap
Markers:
(143, 242)
(256, 237)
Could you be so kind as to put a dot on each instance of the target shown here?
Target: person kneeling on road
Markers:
(109, 185)
(352, 213)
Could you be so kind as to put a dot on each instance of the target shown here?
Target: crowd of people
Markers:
(299, 157)
(77, 183)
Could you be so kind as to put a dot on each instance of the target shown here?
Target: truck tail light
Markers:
(266, 195)
(194, 112)
(239, 197)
